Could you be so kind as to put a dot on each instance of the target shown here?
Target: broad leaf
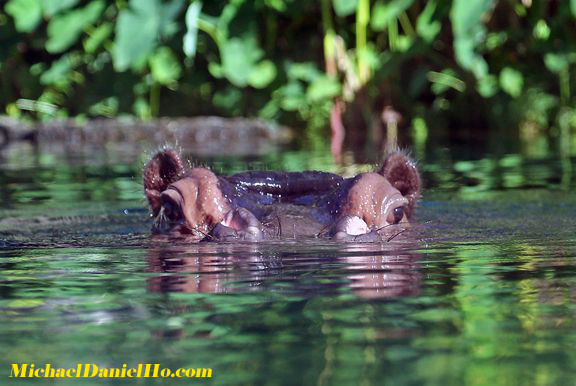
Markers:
(469, 31)
(97, 37)
(59, 71)
(344, 8)
(262, 74)
(52, 7)
(239, 57)
(511, 81)
(323, 88)
(556, 62)
(138, 29)
(74, 23)
(165, 67)
(26, 13)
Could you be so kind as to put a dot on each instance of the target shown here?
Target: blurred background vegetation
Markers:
(460, 70)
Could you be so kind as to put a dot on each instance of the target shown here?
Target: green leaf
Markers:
(52, 7)
(495, 40)
(573, 7)
(168, 12)
(262, 74)
(165, 67)
(511, 81)
(74, 23)
(556, 62)
(215, 69)
(142, 108)
(136, 34)
(26, 13)
(107, 107)
(323, 88)
(59, 71)
(270, 110)
(138, 29)
(239, 57)
(97, 37)
(541, 30)
(386, 11)
(228, 14)
(469, 31)
(278, 5)
(344, 8)
(369, 56)
(306, 71)
(488, 86)
(442, 81)
(229, 98)
(192, 15)
(291, 96)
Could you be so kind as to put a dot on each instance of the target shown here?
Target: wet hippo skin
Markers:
(197, 204)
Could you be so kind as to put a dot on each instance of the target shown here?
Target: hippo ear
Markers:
(162, 170)
(402, 173)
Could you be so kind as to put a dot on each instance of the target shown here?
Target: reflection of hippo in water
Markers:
(263, 205)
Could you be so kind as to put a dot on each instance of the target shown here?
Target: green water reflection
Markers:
(459, 313)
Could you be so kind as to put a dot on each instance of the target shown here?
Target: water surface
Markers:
(482, 290)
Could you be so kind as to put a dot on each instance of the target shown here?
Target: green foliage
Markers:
(74, 23)
(427, 26)
(386, 12)
(289, 60)
(138, 29)
(191, 36)
(345, 8)
(164, 67)
(511, 81)
(26, 13)
(469, 32)
(52, 7)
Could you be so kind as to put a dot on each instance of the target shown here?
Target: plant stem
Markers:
(393, 35)
(329, 35)
(406, 24)
(362, 19)
(564, 78)
(210, 29)
(155, 99)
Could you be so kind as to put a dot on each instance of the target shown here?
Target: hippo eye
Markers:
(398, 214)
(171, 210)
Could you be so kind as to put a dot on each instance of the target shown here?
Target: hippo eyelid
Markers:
(395, 201)
(174, 187)
(390, 205)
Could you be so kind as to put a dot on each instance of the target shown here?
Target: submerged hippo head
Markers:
(258, 205)
(183, 202)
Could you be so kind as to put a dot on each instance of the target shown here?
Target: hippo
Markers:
(195, 203)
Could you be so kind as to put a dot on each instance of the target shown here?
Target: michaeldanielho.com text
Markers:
(90, 371)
